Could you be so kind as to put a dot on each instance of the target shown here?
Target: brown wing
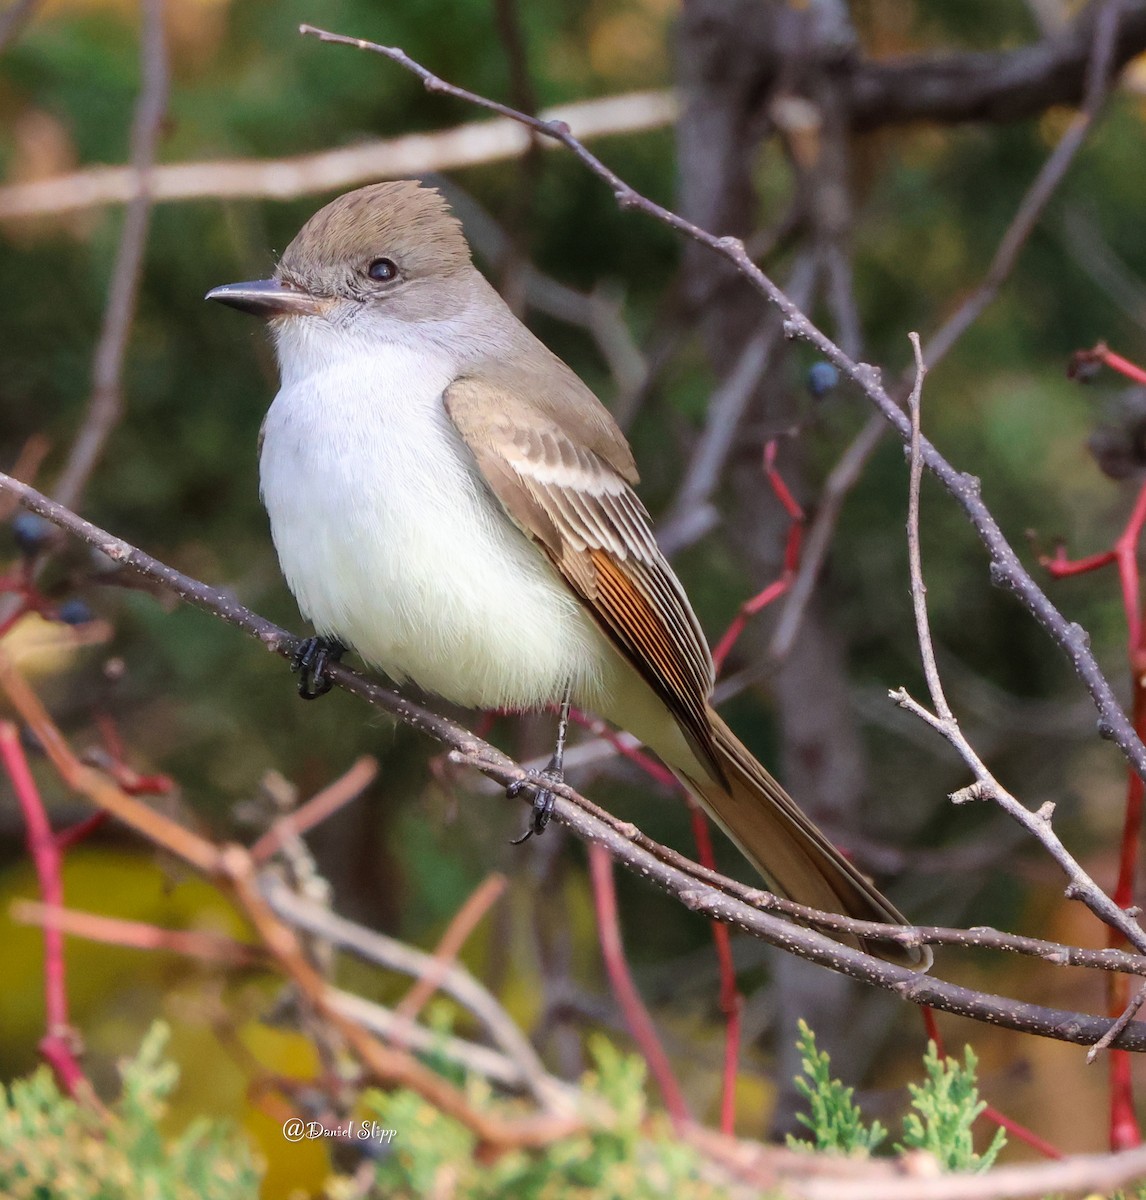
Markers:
(586, 517)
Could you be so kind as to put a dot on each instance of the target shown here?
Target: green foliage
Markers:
(52, 1148)
(835, 1121)
(636, 1158)
(946, 1105)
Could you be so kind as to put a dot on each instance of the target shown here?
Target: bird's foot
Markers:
(543, 799)
(311, 660)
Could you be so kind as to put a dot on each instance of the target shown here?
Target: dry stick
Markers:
(492, 1064)
(105, 407)
(138, 935)
(701, 890)
(317, 809)
(464, 922)
(456, 982)
(850, 466)
(473, 144)
(1080, 886)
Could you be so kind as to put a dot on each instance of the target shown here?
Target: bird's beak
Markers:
(267, 298)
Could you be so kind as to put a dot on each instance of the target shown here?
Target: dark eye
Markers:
(382, 269)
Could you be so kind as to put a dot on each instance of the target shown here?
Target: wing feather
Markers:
(583, 513)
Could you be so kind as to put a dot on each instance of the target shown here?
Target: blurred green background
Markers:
(179, 478)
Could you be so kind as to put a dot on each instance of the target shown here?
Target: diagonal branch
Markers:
(698, 888)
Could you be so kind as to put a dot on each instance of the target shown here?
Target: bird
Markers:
(448, 499)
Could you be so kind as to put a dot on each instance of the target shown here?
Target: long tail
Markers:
(788, 850)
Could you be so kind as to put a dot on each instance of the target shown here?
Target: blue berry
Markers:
(75, 612)
(31, 532)
(822, 378)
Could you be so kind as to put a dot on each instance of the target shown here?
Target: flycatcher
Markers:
(449, 499)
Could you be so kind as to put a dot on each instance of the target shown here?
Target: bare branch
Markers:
(699, 889)
(1005, 85)
(914, 557)
(454, 980)
(332, 170)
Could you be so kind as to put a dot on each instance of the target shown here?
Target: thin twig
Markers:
(105, 406)
(1125, 1017)
(1080, 885)
(138, 935)
(462, 924)
(914, 556)
(318, 808)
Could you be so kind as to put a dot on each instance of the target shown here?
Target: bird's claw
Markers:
(544, 800)
(311, 660)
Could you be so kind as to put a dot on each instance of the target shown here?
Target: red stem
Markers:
(55, 1046)
(730, 998)
(624, 989)
(1123, 365)
(792, 549)
(1125, 1132)
(81, 830)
